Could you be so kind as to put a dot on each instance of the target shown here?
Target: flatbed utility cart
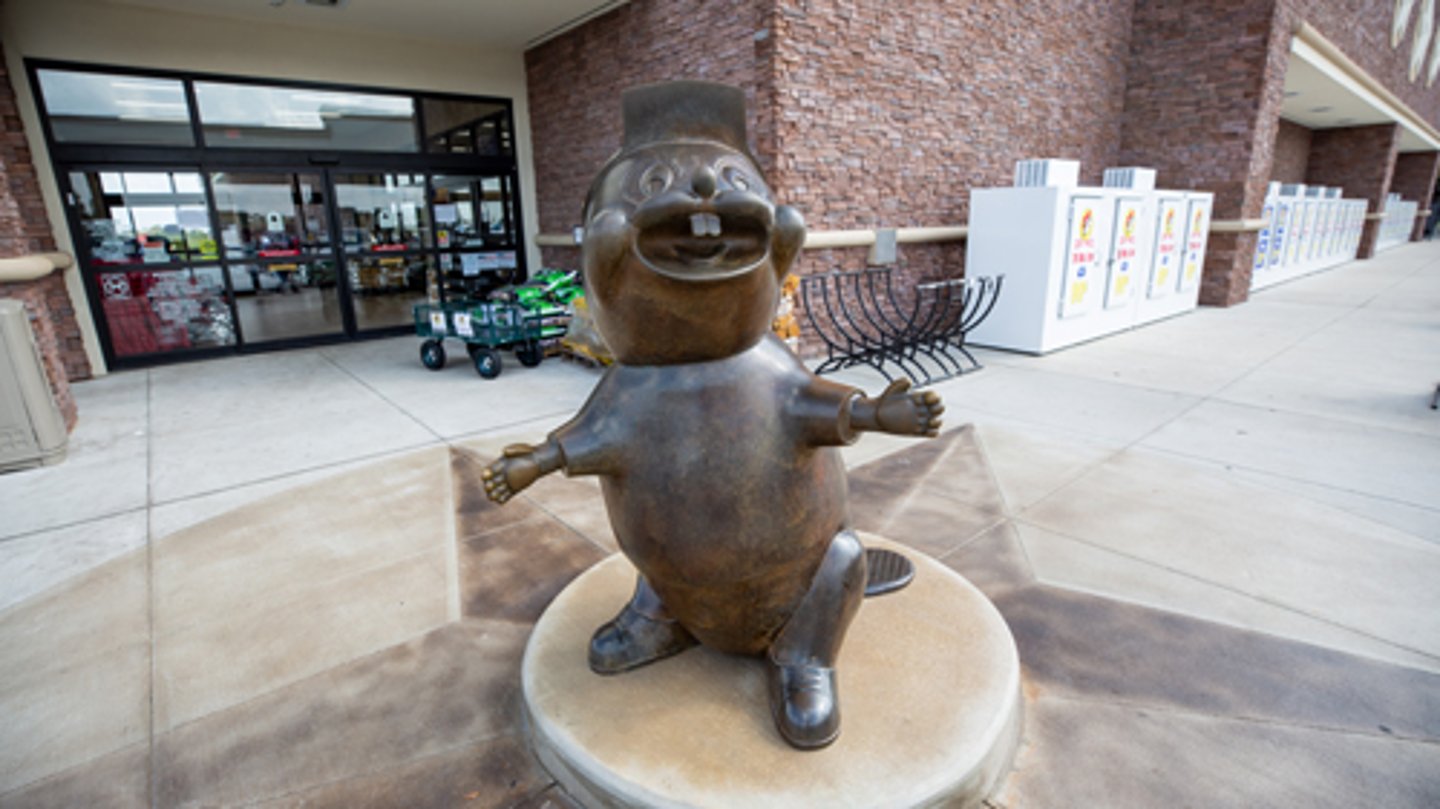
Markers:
(485, 329)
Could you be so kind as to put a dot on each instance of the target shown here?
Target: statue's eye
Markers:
(736, 178)
(656, 179)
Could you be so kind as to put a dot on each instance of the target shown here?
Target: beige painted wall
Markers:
(105, 33)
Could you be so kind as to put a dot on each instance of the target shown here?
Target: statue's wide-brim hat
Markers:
(684, 111)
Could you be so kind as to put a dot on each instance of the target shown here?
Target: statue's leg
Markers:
(803, 697)
(642, 633)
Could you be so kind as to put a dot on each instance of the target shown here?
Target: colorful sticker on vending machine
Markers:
(1164, 251)
(1277, 243)
(1196, 244)
(1262, 244)
(1123, 256)
(1074, 298)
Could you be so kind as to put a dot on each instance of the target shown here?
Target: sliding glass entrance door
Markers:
(384, 224)
(276, 231)
(212, 214)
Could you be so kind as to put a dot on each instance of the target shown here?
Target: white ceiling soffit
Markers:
(1322, 94)
(511, 25)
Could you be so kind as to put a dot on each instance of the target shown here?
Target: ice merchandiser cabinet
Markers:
(1080, 262)
(1307, 229)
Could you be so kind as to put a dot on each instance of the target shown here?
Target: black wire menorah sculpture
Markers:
(862, 322)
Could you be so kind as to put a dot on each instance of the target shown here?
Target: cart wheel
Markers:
(529, 354)
(432, 354)
(487, 363)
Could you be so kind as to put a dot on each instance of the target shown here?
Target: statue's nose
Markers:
(703, 182)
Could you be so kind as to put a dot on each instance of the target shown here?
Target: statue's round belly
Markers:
(729, 537)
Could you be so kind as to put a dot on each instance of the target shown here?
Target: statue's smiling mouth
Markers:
(686, 241)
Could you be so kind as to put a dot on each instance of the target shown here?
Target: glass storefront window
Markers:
(459, 126)
(385, 289)
(259, 116)
(471, 211)
(382, 213)
(351, 207)
(143, 217)
(266, 215)
(157, 311)
(115, 109)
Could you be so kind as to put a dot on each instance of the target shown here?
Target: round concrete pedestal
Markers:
(929, 697)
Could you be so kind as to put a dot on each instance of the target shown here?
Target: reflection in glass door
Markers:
(279, 254)
(385, 226)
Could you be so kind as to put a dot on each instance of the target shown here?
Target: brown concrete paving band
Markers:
(387, 689)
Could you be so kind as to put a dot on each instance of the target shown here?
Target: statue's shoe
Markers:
(632, 640)
(804, 702)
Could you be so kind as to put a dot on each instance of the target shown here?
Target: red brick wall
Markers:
(890, 113)
(1359, 159)
(1415, 175)
(575, 81)
(1292, 153)
(1201, 108)
(24, 225)
(864, 115)
(885, 115)
(25, 229)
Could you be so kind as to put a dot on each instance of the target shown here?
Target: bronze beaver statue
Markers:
(717, 450)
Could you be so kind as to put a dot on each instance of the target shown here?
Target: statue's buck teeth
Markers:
(704, 224)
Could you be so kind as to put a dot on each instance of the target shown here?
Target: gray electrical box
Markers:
(32, 432)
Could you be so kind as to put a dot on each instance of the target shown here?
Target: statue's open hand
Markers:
(515, 469)
(901, 412)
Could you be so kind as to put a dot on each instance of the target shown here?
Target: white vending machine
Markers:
(1078, 262)
(1082, 280)
(1265, 237)
(1126, 240)
(1310, 228)
(1182, 231)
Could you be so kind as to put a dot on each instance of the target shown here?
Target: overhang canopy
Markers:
(503, 24)
(1325, 90)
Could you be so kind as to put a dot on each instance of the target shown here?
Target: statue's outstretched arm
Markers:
(519, 466)
(834, 414)
(899, 411)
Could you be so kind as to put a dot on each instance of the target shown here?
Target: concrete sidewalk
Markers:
(270, 580)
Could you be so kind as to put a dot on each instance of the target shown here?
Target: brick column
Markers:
(1360, 159)
(1202, 105)
(1415, 175)
(25, 230)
